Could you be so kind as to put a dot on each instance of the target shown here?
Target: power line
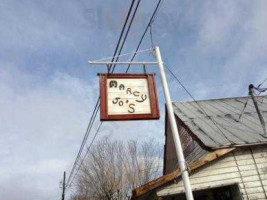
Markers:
(202, 109)
(242, 112)
(89, 127)
(110, 69)
(151, 36)
(260, 90)
(143, 35)
(88, 149)
(157, 12)
(122, 32)
(129, 27)
(96, 109)
(133, 16)
(262, 83)
(126, 35)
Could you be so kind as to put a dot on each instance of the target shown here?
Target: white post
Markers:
(174, 129)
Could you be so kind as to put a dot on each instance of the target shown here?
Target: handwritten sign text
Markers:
(128, 96)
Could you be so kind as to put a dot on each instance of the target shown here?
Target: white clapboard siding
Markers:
(246, 167)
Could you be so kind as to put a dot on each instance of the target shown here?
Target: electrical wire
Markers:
(89, 127)
(121, 55)
(197, 103)
(88, 149)
(127, 32)
(122, 32)
(143, 35)
(157, 12)
(150, 23)
(151, 36)
(110, 69)
(97, 106)
(262, 83)
(260, 90)
(242, 112)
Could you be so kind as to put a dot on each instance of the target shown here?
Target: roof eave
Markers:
(171, 176)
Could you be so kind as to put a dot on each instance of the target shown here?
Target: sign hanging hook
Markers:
(144, 68)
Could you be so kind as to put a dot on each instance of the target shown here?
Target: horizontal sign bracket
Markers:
(122, 63)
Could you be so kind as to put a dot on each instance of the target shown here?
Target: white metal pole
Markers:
(174, 129)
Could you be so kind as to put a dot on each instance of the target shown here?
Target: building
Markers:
(226, 156)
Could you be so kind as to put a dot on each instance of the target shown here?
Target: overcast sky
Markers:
(48, 90)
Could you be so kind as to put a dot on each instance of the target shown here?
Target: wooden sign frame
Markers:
(104, 116)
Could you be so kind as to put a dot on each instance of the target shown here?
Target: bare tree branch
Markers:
(113, 169)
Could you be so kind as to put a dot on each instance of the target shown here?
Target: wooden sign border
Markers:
(104, 103)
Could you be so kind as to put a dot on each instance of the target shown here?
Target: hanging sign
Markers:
(128, 97)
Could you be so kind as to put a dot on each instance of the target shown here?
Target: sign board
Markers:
(128, 97)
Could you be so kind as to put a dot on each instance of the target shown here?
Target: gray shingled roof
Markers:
(226, 130)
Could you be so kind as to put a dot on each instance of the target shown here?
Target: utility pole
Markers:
(174, 129)
(63, 186)
(251, 93)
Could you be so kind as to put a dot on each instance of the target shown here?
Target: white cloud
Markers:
(217, 23)
(42, 125)
(220, 48)
(41, 129)
(230, 48)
